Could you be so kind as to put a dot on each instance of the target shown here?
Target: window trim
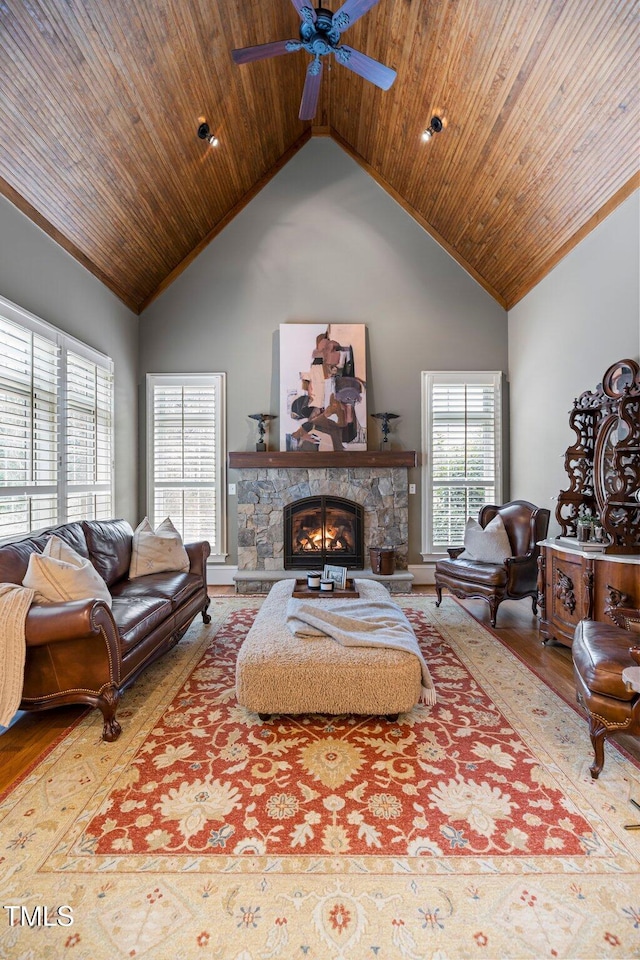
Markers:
(64, 342)
(219, 381)
(429, 378)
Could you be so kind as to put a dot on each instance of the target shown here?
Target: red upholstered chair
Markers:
(512, 579)
(601, 651)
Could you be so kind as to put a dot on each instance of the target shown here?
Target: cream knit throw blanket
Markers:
(360, 623)
(15, 601)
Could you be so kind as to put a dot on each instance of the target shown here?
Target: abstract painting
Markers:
(323, 389)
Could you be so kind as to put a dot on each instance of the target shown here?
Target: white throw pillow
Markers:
(157, 551)
(60, 574)
(57, 548)
(488, 544)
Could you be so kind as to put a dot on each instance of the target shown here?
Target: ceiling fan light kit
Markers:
(320, 33)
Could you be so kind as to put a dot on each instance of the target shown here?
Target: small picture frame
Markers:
(337, 574)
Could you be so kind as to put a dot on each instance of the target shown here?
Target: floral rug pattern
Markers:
(468, 829)
(212, 778)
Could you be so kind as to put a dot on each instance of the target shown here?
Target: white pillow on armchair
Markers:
(488, 544)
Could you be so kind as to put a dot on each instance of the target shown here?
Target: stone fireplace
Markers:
(268, 483)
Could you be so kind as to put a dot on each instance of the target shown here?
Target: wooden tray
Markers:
(302, 591)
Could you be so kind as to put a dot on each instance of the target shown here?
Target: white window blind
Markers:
(462, 453)
(88, 439)
(186, 458)
(44, 452)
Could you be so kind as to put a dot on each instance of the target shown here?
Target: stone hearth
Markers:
(264, 492)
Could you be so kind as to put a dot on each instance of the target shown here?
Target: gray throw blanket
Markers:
(360, 623)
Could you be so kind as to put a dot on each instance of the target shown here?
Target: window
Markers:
(461, 453)
(185, 430)
(56, 426)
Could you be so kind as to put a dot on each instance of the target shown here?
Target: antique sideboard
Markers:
(603, 465)
(574, 585)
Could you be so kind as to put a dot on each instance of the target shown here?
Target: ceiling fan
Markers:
(320, 33)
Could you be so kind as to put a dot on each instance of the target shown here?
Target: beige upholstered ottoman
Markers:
(279, 673)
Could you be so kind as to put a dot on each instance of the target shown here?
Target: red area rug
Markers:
(468, 829)
(210, 778)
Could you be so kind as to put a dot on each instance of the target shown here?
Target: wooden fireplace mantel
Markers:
(249, 459)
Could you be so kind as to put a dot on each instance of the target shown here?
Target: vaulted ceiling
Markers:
(100, 101)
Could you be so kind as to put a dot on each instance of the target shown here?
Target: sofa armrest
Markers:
(56, 622)
(198, 553)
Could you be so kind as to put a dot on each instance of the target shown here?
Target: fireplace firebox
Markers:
(319, 530)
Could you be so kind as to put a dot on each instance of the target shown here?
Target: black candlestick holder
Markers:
(385, 418)
(262, 419)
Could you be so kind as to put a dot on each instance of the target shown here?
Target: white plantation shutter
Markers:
(88, 415)
(186, 438)
(39, 455)
(462, 452)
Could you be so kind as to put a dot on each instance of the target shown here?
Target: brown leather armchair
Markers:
(601, 651)
(513, 579)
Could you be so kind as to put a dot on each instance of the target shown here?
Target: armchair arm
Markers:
(454, 552)
(522, 572)
(198, 553)
(635, 654)
(72, 620)
(519, 561)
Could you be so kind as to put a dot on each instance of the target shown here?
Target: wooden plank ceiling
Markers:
(100, 101)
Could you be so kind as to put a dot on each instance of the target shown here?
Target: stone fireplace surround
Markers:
(267, 482)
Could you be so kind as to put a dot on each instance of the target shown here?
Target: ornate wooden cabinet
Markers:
(604, 463)
(604, 480)
(574, 586)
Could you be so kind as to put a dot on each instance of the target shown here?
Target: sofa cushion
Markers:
(14, 558)
(109, 543)
(175, 586)
(72, 534)
(157, 551)
(136, 617)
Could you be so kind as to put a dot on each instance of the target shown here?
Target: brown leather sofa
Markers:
(514, 579)
(601, 651)
(83, 652)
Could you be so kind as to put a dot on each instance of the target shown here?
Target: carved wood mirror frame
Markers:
(604, 464)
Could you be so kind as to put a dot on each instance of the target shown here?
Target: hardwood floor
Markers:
(31, 734)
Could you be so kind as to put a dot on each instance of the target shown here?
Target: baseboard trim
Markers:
(423, 572)
(221, 575)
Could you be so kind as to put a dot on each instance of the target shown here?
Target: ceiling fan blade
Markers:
(351, 11)
(366, 66)
(311, 92)
(305, 10)
(264, 50)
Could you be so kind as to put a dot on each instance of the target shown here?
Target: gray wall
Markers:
(41, 277)
(563, 335)
(322, 242)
